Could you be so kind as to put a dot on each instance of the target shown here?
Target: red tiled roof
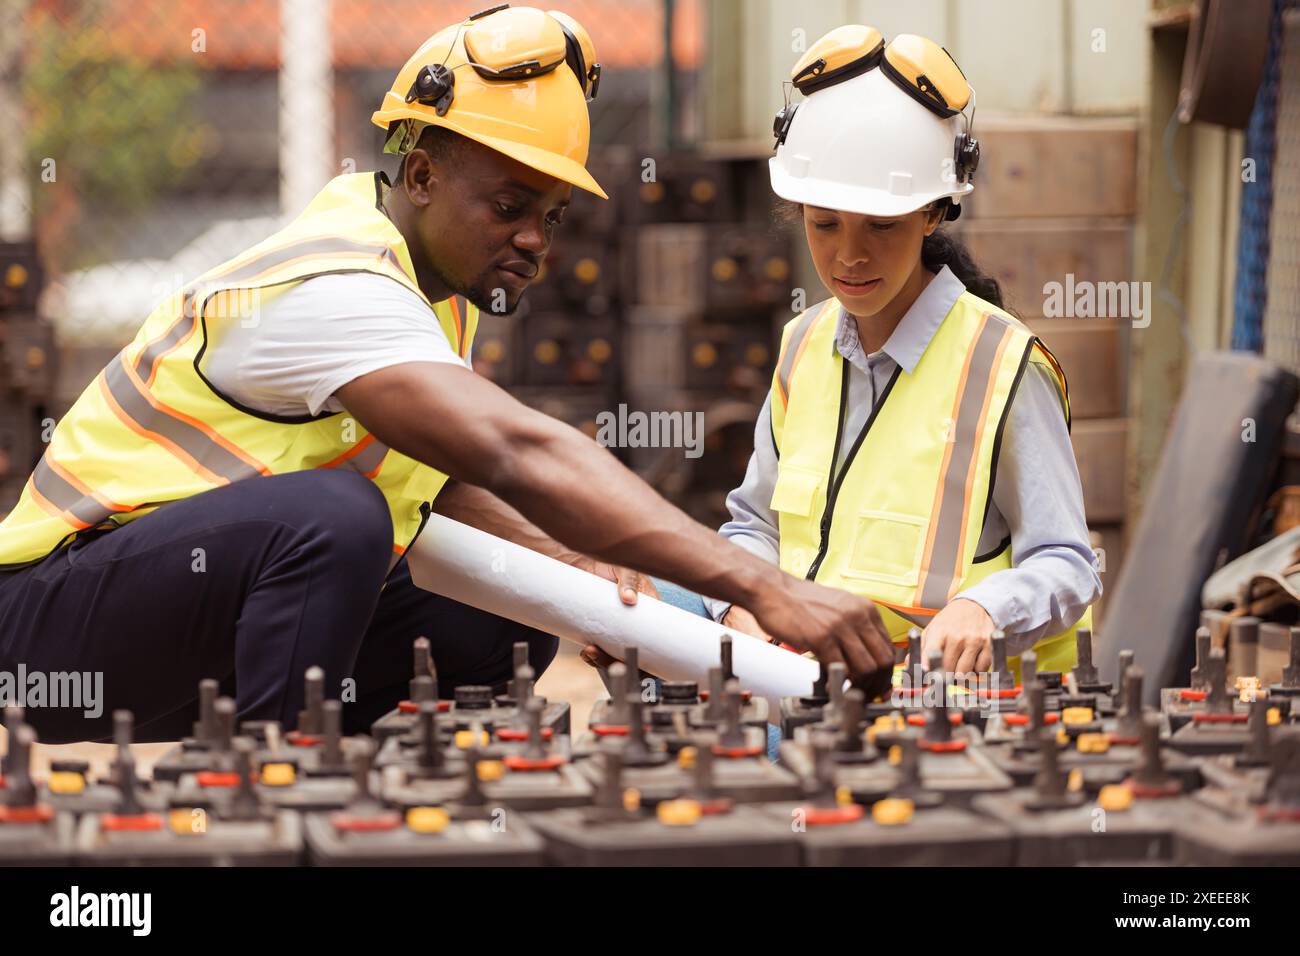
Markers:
(627, 33)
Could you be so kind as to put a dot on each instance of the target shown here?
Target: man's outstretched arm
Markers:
(579, 494)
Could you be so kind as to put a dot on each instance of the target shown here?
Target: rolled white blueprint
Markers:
(503, 578)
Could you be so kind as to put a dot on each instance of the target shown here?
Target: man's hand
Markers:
(833, 624)
(963, 631)
(629, 583)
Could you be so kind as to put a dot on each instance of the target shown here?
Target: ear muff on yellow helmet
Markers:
(500, 78)
(580, 53)
(508, 45)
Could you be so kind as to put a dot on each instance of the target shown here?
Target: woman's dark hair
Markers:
(938, 249)
(941, 248)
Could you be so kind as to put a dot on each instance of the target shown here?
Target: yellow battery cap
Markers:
(895, 755)
(843, 797)
(1074, 780)
(1274, 716)
(66, 781)
(490, 770)
(427, 819)
(465, 739)
(631, 799)
(1076, 715)
(1115, 796)
(180, 820)
(279, 774)
(678, 813)
(1062, 737)
(686, 758)
(1093, 743)
(892, 812)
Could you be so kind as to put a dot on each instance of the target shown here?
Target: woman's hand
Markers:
(629, 584)
(737, 618)
(963, 632)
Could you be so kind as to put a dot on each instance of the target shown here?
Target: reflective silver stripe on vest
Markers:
(368, 459)
(155, 350)
(951, 517)
(192, 441)
(66, 497)
(792, 349)
(307, 247)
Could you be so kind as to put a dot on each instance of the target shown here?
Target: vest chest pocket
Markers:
(887, 547)
(796, 490)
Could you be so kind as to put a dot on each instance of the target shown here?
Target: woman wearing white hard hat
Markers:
(914, 448)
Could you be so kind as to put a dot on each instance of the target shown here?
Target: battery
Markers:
(741, 769)
(471, 702)
(1057, 823)
(243, 832)
(908, 825)
(699, 827)
(32, 832)
(533, 775)
(468, 831)
(1251, 829)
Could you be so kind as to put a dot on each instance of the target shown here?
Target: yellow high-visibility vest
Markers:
(151, 429)
(901, 522)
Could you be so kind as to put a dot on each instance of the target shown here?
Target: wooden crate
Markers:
(1024, 255)
(1099, 447)
(1089, 351)
(1055, 166)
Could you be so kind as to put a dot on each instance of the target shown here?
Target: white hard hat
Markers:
(866, 144)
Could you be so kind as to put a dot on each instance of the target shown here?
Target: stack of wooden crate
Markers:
(1055, 198)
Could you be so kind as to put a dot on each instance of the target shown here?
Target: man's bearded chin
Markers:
(491, 298)
(481, 292)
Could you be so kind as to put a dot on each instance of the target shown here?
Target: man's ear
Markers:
(419, 177)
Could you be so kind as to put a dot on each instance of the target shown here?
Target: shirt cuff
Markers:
(717, 609)
(1002, 606)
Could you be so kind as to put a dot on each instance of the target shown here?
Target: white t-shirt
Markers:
(304, 344)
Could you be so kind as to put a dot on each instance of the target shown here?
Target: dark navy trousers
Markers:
(251, 584)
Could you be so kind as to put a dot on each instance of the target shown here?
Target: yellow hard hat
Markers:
(495, 78)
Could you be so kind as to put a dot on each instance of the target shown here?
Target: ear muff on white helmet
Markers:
(921, 68)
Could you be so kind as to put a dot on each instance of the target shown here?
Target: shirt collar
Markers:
(910, 338)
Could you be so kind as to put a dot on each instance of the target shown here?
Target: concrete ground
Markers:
(568, 678)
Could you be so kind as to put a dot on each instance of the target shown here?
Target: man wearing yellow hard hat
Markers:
(232, 496)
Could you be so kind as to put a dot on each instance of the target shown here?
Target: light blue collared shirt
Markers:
(1037, 497)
